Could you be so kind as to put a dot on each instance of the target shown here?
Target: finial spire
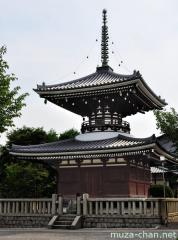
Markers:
(104, 41)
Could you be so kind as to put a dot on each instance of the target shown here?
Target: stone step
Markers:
(65, 218)
(63, 222)
(61, 226)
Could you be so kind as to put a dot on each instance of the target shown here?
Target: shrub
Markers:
(158, 191)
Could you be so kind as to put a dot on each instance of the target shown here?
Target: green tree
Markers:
(11, 102)
(30, 136)
(24, 178)
(157, 190)
(71, 133)
(27, 179)
(167, 122)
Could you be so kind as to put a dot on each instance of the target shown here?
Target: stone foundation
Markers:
(120, 222)
(24, 221)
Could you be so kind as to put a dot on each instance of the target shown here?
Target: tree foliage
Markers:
(11, 102)
(30, 136)
(157, 190)
(71, 133)
(25, 178)
(167, 122)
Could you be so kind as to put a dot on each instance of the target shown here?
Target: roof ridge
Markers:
(113, 74)
(42, 144)
(65, 83)
(151, 139)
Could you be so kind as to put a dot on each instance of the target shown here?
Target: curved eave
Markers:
(81, 152)
(85, 89)
(140, 84)
(146, 90)
(117, 78)
(160, 151)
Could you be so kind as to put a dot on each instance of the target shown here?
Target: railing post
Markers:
(118, 208)
(156, 212)
(122, 208)
(163, 210)
(60, 205)
(1, 204)
(144, 208)
(96, 208)
(78, 205)
(133, 208)
(101, 208)
(85, 203)
(112, 208)
(54, 198)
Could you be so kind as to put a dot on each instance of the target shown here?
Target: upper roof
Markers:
(130, 92)
(123, 94)
(102, 76)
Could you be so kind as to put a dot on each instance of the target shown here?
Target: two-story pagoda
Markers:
(104, 160)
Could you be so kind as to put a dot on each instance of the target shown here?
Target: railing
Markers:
(121, 206)
(170, 207)
(25, 207)
(166, 209)
(105, 124)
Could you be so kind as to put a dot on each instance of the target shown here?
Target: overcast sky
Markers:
(49, 40)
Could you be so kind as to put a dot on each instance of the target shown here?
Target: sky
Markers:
(48, 40)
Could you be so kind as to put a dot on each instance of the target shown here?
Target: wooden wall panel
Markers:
(113, 181)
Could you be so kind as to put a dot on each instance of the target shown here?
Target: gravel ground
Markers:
(87, 234)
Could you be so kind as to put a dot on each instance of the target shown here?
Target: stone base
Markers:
(120, 222)
(24, 221)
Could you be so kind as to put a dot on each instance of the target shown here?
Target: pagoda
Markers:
(105, 160)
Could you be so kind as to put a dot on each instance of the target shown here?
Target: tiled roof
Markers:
(157, 170)
(72, 145)
(100, 77)
(167, 144)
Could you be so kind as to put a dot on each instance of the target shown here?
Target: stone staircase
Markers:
(66, 221)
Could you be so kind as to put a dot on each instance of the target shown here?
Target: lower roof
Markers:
(82, 146)
(86, 142)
